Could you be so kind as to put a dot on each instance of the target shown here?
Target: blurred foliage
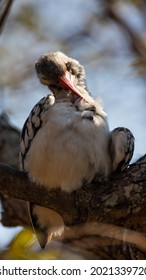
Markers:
(135, 2)
(27, 17)
(22, 248)
(33, 29)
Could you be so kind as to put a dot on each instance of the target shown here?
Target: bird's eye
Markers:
(56, 87)
(70, 69)
(44, 78)
(73, 71)
(68, 66)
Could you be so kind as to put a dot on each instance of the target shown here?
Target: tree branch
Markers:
(98, 216)
(16, 184)
(113, 210)
(137, 42)
(117, 200)
(5, 7)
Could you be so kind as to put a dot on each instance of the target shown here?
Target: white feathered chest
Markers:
(63, 146)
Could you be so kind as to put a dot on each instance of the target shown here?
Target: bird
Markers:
(65, 141)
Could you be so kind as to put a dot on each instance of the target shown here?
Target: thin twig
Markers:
(4, 11)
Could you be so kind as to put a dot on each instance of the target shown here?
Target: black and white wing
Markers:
(31, 126)
(121, 148)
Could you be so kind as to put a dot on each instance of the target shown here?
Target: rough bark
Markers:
(98, 216)
(117, 200)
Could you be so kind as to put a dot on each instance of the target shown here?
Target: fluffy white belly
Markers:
(68, 149)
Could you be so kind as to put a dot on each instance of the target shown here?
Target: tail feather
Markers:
(45, 222)
(121, 148)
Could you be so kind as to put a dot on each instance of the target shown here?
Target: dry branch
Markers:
(112, 206)
(137, 42)
(123, 196)
(5, 7)
(120, 201)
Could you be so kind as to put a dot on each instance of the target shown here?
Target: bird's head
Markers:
(63, 75)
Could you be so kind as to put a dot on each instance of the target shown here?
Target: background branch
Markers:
(112, 9)
(5, 7)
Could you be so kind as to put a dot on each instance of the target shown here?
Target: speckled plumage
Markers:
(66, 141)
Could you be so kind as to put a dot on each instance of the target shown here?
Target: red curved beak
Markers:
(66, 82)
